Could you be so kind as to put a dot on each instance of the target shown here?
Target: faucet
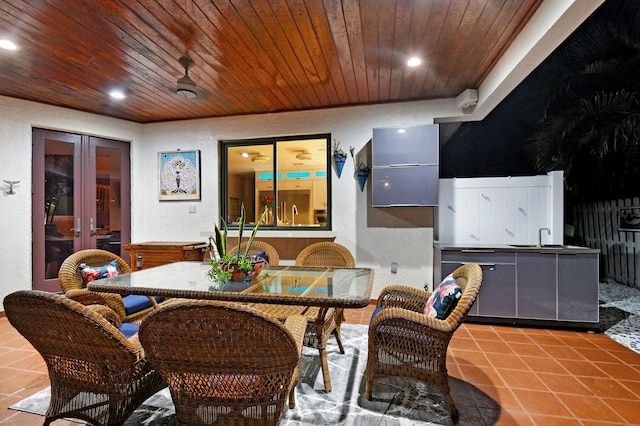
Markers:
(540, 235)
(294, 211)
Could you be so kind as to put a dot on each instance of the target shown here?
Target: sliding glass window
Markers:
(287, 176)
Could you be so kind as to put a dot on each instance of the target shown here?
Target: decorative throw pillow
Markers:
(444, 299)
(92, 273)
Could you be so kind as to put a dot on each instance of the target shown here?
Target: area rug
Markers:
(395, 402)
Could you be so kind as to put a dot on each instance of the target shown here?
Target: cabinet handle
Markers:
(491, 265)
(477, 251)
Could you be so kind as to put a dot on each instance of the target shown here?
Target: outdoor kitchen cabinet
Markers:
(529, 285)
(578, 287)
(537, 286)
(497, 297)
(405, 166)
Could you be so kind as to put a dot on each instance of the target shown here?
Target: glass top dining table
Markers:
(287, 285)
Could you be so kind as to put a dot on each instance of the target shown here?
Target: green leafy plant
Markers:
(226, 266)
(360, 166)
(337, 151)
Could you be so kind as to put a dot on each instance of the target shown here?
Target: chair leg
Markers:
(368, 387)
(339, 318)
(292, 397)
(455, 414)
(324, 363)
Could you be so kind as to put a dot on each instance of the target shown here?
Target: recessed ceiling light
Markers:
(6, 44)
(117, 94)
(401, 130)
(245, 154)
(414, 61)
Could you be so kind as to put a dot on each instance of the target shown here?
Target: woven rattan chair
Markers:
(96, 373)
(324, 322)
(271, 254)
(403, 342)
(226, 364)
(71, 283)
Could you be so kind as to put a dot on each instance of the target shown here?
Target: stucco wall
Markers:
(374, 247)
(17, 118)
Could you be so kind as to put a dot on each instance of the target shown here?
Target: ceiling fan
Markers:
(304, 155)
(186, 87)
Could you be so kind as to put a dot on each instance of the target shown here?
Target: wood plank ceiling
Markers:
(249, 57)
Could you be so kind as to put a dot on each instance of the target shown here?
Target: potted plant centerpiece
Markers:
(239, 266)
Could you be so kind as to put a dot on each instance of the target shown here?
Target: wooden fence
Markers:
(596, 226)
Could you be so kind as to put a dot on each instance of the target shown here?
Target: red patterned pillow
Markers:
(444, 299)
(92, 273)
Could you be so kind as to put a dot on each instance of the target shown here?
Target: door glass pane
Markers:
(108, 206)
(58, 204)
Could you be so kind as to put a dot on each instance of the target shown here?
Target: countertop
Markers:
(567, 249)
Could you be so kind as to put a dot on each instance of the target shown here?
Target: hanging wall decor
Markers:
(362, 170)
(339, 157)
(179, 175)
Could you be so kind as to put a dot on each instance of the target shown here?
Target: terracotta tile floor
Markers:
(535, 376)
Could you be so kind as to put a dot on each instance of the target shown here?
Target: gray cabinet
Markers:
(537, 289)
(578, 287)
(405, 168)
(497, 297)
(559, 285)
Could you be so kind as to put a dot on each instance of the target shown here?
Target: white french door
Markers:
(81, 199)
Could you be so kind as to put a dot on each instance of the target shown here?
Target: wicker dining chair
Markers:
(225, 363)
(406, 343)
(271, 254)
(320, 326)
(96, 374)
(130, 308)
(321, 322)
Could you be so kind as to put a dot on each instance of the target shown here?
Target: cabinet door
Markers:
(417, 145)
(578, 285)
(497, 296)
(404, 186)
(319, 194)
(295, 184)
(263, 185)
(537, 292)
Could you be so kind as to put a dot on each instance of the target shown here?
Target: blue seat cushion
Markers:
(135, 303)
(375, 312)
(128, 329)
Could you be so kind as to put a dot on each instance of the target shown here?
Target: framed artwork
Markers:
(629, 219)
(179, 175)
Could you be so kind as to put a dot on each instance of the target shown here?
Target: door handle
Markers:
(77, 229)
(92, 229)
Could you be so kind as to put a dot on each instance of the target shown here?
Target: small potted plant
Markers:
(239, 266)
(362, 170)
(339, 157)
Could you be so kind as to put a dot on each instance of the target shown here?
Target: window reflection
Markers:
(286, 176)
